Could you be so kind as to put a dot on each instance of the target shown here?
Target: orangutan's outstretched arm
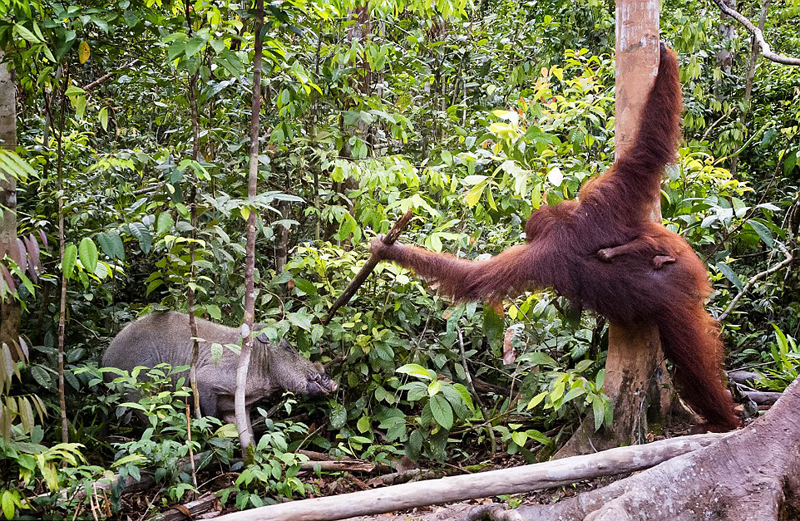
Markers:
(507, 274)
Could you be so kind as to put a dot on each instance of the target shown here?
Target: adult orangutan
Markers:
(604, 252)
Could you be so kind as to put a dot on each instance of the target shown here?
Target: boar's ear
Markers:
(262, 337)
(284, 344)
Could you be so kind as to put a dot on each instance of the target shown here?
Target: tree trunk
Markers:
(752, 475)
(190, 293)
(242, 420)
(9, 307)
(62, 307)
(634, 353)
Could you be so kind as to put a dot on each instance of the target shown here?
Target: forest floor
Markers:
(139, 506)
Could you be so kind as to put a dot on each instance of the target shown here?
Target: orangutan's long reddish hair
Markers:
(604, 252)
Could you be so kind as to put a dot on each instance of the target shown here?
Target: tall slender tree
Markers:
(242, 423)
(633, 353)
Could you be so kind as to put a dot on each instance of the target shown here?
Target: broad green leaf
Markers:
(304, 286)
(68, 261)
(730, 275)
(193, 45)
(519, 438)
(599, 413)
(164, 223)
(130, 458)
(442, 412)
(762, 232)
(87, 251)
(573, 393)
(141, 233)
(416, 370)
(26, 34)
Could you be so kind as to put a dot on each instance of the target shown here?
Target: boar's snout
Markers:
(320, 383)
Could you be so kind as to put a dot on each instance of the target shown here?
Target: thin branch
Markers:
(755, 278)
(471, 386)
(758, 35)
(89, 87)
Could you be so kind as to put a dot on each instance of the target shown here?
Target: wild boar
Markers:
(166, 338)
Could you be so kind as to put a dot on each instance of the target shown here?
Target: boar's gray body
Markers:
(166, 338)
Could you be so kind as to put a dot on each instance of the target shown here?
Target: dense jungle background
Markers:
(132, 124)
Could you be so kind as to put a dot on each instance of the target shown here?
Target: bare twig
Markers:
(755, 278)
(471, 387)
(191, 449)
(758, 35)
(89, 87)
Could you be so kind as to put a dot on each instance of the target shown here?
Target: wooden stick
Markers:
(373, 261)
(484, 484)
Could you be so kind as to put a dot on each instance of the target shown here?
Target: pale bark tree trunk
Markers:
(634, 353)
(9, 307)
(242, 421)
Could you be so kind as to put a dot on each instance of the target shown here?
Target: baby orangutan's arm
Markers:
(636, 246)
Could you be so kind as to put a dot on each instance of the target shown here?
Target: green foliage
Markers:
(33, 475)
(275, 467)
(785, 355)
(164, 447)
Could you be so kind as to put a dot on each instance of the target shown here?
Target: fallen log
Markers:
(751, 475)
(471, 486)
(189, 510)
(763, 397)
(744, 377)
(405, 476)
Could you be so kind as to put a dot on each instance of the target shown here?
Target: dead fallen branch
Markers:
(189, 510)
(763, 397)
(744, 377)
(338, 466)
(471, 486)
(405, 476)
(91, 86)
(758, 276)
